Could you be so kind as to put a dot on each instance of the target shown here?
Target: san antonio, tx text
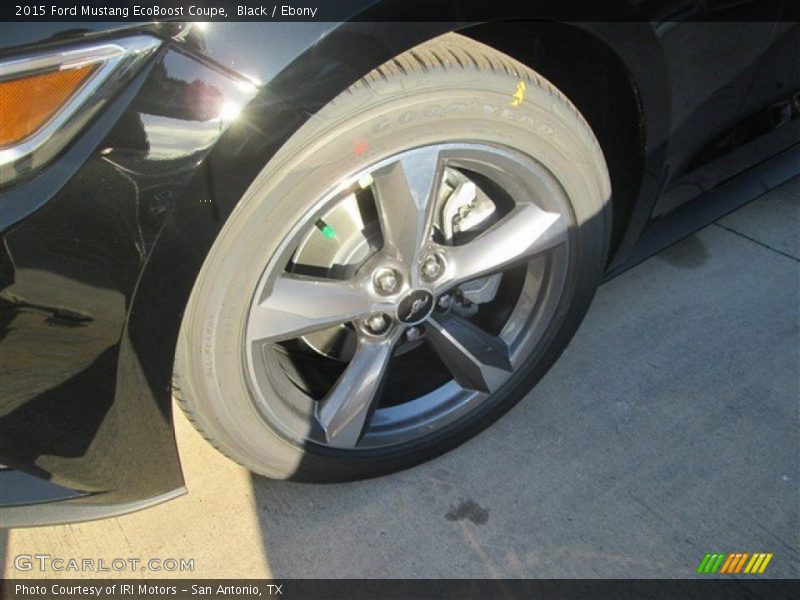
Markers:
(145, 590)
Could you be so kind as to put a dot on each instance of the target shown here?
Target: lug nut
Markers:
(413, 333)
(445, 301)
(432, 267)
(377, 323)
(386, 281)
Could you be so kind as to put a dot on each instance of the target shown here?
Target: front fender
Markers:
(101, 250)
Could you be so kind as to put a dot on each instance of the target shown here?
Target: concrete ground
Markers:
(668, 429)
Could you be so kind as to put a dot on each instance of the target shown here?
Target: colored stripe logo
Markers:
(735, 562)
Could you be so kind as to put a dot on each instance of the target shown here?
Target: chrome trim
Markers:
(117, 58)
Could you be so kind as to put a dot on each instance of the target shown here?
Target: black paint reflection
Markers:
(76, 405)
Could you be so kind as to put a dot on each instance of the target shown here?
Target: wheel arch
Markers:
(583, 63)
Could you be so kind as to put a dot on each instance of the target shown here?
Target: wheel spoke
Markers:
(524, 232)
(476, 359)
(343, 412)
(403, 193)
(298, 305)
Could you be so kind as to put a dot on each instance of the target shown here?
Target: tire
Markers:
(448, 89)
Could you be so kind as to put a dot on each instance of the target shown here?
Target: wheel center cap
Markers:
(415, 307)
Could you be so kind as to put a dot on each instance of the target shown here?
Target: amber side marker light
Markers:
(27, 103)
(48, 97)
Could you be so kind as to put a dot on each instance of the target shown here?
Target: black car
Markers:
(343, 247)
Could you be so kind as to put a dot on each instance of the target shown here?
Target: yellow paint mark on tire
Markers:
(519, 94)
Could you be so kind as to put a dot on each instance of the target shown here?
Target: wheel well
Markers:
(594, 78)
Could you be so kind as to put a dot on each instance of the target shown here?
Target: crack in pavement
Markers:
(755, 241)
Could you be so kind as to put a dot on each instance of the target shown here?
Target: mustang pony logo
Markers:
(417, 305)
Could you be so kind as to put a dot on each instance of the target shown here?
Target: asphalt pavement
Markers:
(669, 428)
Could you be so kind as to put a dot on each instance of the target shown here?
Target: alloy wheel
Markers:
(409, 294)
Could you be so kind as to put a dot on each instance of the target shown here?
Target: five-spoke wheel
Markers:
(403, 291)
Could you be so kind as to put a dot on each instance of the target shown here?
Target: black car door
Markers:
(714, 52)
